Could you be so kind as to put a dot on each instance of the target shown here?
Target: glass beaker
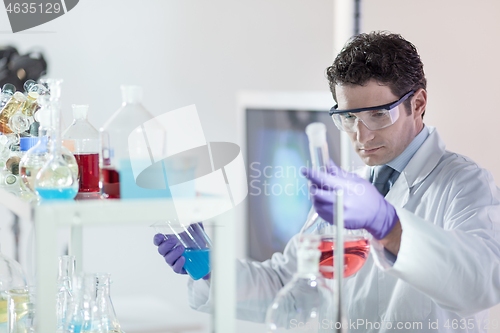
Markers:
(21, 311)
(83, 138)
(196, 242)
(12, 278)
(356, 245)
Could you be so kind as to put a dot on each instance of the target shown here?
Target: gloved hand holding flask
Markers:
(186, 248)
(364, 206)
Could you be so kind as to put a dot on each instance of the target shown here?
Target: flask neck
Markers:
(131, 94)
(308, 256)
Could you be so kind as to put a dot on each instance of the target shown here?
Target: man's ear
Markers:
(419, 103)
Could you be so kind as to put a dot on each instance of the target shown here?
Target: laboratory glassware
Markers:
(21, 310)
(83, 138)
(117, 177)
(92, 309)
(7, 91)
(56, 179)
(196, 242)
(356, 244)
(65, 293)
(33, 160)
(12, 278)
(15, 102)
(306, 303)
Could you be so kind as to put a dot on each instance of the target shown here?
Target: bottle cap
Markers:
(12, 164)
(26, 143)
(42, 148)
(28, 84)
(8, 89)
(80, 111)
(131, 94)
(19, 96)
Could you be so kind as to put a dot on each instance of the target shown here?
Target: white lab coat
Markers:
(447, 272)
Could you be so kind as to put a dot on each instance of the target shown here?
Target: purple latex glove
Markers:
(171, 249)
(364, 206)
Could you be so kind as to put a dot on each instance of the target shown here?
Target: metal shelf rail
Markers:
(49, 217)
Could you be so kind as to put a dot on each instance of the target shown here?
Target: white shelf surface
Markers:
(50, 216)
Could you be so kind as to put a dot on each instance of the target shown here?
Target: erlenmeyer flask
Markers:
(92, 309)
(83, 138)
(64, 289)
(356, 246)
(56, 179)
(306, 303)
(196, 242)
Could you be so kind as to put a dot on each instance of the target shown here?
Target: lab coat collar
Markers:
(425, 159)
(421, 164)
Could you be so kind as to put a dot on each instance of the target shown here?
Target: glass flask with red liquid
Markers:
(82, 139)
(356, 244)
(117, 174)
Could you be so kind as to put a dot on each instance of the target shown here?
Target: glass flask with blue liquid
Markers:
(57, 179)
(196, 242)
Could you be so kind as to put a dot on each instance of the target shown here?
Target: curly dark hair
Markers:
(386, 57)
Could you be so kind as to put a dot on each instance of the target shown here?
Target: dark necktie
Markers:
(383, 178)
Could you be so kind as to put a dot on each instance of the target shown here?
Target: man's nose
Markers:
(363, 134)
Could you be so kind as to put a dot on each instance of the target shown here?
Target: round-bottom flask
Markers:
(306, 303)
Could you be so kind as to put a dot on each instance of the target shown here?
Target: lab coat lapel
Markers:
(420, 166)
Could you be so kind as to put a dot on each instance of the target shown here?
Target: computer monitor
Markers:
(275, 147)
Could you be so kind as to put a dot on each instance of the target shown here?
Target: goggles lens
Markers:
(373, 120)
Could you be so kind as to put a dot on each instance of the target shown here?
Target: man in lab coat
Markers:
(433, 214)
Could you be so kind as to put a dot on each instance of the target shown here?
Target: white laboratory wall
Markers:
(457, 41)
(181, 52)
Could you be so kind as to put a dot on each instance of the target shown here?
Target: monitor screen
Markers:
(276, 148)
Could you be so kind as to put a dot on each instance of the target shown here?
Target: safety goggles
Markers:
(374, 118)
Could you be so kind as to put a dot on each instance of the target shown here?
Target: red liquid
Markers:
(355, 254)
(88, 167)
(111, 183)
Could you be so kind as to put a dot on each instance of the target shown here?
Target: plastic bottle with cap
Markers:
(56, 180)
(83, 140)
(116, 171)
(16, 101)
(306, 303)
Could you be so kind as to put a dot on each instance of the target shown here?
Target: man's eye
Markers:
(349, 116)
(378, 114)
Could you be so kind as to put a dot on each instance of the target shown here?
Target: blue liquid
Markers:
(67, 193)
(197, 262)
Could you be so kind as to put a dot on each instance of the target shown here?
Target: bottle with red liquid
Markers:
(356, 245)
(83, 140)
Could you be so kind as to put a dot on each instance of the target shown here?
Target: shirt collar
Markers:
(400, 162)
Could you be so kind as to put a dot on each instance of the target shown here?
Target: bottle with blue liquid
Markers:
(196, 242)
